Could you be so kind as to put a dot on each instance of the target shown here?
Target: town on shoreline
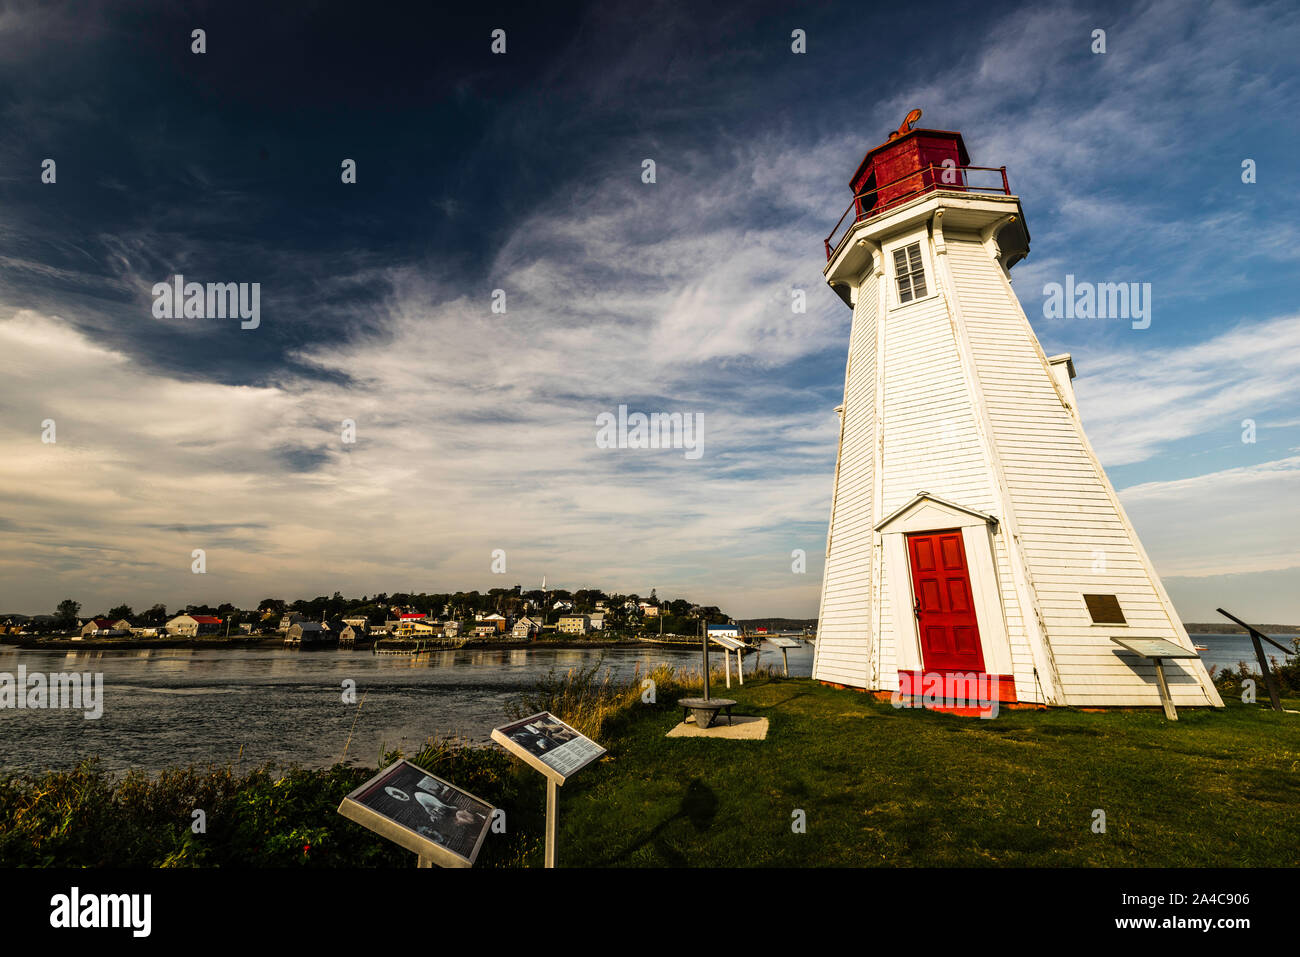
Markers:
(499, 618)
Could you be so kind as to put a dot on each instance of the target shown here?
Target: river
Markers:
(167, 708)
(175, 707)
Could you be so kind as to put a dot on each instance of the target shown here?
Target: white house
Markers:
(193, 625)
(524, 629)
(972, 529)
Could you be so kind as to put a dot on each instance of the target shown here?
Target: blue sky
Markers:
(522, 172)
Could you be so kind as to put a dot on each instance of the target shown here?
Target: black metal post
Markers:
(1269, 681)
(704, 642)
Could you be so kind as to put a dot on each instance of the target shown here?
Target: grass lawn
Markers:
(881, 786)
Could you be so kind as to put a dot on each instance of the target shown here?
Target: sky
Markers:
(523, 172)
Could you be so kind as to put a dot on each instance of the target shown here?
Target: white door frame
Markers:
(929, 513)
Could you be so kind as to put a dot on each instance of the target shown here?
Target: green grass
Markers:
(881, 786)
(878, 786)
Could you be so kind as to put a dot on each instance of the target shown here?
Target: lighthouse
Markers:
(973, 530)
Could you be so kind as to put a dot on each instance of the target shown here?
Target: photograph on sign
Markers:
(546, 740)
(422, 813)
(783, 642)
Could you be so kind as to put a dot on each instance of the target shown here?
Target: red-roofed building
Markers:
(102, 627)
(191, 626)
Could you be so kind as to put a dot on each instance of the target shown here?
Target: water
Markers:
(167, 708)
(176, 707)
(1226, 650)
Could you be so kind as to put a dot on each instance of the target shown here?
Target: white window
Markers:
(909, 272)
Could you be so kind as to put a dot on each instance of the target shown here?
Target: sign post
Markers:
(729, 645)
(558, 751)
(785, 644)
(552, 819)
(1157, 650)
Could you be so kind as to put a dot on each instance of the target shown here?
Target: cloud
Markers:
(1234, 521)
(1137, 401)
(476, 430)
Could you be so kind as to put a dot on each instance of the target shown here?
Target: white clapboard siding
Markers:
(1074, 537)
(844, 633)
(951, 413)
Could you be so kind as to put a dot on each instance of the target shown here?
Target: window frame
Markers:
(1119, 610)
(927, 270)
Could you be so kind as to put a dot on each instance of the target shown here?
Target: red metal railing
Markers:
(927, 179)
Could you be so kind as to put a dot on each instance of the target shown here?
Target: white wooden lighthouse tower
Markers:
(972, 528)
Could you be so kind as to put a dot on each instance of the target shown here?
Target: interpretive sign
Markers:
(555, 749)
(1156, 650)
(422, 813)
(548, 744)
(730, 645)
(785, 644)
(782, 642)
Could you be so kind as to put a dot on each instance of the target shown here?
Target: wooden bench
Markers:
(706, 710)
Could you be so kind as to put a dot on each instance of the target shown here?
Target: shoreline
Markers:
(137, 644)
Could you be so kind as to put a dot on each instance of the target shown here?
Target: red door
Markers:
(945, 616)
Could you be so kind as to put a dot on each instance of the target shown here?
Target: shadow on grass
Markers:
(699, 806)
(785, 700)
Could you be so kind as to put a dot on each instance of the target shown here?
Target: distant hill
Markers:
(1228, 628)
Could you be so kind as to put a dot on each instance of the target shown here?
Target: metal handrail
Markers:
(928, 184)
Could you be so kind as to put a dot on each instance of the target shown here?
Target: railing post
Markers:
(1006, 187)
(1255, 635)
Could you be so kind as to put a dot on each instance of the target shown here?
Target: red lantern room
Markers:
(909, 162)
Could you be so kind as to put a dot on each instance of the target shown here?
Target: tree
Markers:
(156, 615)
(120, 611)
(271, 607)
(67, 611)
